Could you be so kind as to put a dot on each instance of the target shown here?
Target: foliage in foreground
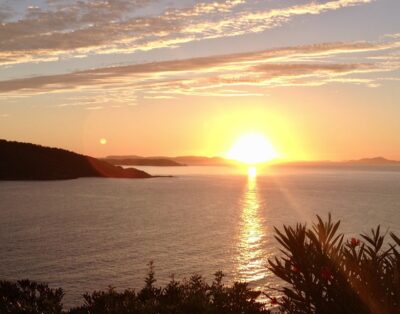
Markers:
(326, 274)
(192, 296)
(323, 274)
(25, 296)
(189, 296)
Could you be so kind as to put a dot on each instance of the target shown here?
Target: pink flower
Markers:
(326, 273)
(354, 242)
(295, 269)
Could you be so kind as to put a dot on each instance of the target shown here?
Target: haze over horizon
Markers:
(318, 79)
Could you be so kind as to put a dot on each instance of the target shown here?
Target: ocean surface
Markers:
(90, 233)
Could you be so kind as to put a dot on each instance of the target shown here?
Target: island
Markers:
(160, 161)
(135, 160)
(25, 161)
(367, 162)
(143, 161)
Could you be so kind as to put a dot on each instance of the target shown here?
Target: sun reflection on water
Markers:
(251, 256)
(252, 171)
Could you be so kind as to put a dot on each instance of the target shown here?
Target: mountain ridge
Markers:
(26, 161)
(192, 160)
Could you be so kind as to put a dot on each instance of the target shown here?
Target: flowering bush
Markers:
(326, 274)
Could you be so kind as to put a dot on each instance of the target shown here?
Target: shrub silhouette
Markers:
(29, 297)
(326, 274)
(193, 296)
(322, 272)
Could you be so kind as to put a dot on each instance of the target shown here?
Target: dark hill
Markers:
(160, 162)
(374, 161)
(168, 161)
(23, 161)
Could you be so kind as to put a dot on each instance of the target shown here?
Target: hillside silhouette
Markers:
(168, 161)
(159, 162)
(24, 161)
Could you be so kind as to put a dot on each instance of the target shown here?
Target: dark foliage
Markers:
(28, 297)
(193, 296)
(326, 274)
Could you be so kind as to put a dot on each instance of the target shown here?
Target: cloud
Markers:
(115, 97)
(75, 28)
(395, 35)
(94, 108)
(5, 13)
(234, 75)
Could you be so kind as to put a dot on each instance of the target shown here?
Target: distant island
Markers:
(374, 161)
(134, 160)
(24, 161)
(142, 161)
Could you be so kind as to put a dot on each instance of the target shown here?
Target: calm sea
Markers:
(87, 234)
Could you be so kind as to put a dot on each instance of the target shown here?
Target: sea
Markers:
(91, 233)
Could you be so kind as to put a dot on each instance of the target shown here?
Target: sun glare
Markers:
(252, 172)
(252, 148)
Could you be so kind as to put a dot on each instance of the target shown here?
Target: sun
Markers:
(252, 148)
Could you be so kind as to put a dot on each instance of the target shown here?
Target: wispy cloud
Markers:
(76, 28)
(274, 67)
(97, 99)
(94, 108)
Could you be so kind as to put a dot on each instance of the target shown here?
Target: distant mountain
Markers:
(203, 161)
(160, 162)
(168, 161)
(23, 161)
(127, 157)
(374, 161)
(220, 161)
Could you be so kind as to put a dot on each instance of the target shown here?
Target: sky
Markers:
(320, 79)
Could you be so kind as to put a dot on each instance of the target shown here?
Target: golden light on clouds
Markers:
(68, 35)
(236, 66)
(252, 148)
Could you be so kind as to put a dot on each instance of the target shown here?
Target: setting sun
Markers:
(252, 148)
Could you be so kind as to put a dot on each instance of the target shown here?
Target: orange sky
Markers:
(298, 72)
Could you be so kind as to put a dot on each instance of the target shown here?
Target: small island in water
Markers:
(23, 161)
(143, 161)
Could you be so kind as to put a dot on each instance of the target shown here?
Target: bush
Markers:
(29, 297)
(189, 296)
(325, 274)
